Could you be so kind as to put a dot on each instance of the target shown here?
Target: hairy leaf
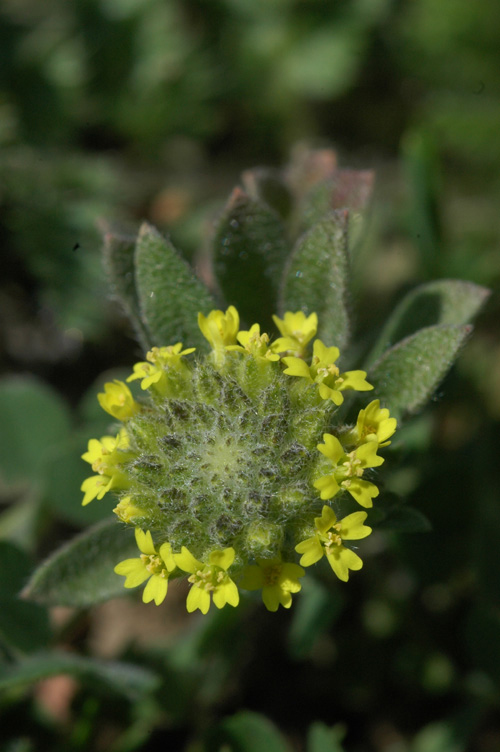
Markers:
(316, 278)
(81, 572)
(118, 254)
(444, 301)
(249, 252)
(170, 296)
(406, 375)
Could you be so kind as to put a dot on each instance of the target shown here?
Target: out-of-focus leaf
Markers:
(15, 567)
(249, 252)
(118, 255)
(346, 189)
(407, 374)
(316, 609)
(402, 518)
(34, 422)
(321, 738)
(316, 278)
(422, 168)
(309, 167)
(483, 638)
(124, 679)
(170, 296)
(444, 301)
(268, 185)
(24, 625)
(438, 737)
(247, 732)
(81, 572)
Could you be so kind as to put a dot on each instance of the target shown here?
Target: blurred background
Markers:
(116, 111)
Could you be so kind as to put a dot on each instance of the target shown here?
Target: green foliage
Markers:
(128, 681)
(169, 294)
(406, 375)
(81, 572)
(316, 277)
(249, 252)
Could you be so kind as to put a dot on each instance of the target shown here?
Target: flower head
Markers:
(324, 372)
(105, 457)
(348, 469)
(277, 579)
(152, 565)
(374, 424)
(160, 362)
(220, 329)
(328, 541)
(117, 400)
(297, 330)
(255, 343)
(209, 579)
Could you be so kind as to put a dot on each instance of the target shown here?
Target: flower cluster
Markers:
(224, 466)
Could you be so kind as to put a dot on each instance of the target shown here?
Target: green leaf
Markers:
(170, 296)
(406, 376)
(316, 278)
(34, 422)
(401, 518)
(15, 567)
(249, 252)
(118, 256)
(81, 572)
(446, 301)
(124, 679)
(24, 625)
(247, 732)
(316, 609)
(346, 189)
(423, 174)
(268, 185)
(322, 738)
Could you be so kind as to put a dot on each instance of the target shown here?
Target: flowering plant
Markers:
(243, 456)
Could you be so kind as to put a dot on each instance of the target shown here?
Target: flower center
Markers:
(208, 578)
(271, 574)
(154, 564)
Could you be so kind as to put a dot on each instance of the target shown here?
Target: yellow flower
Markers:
(206, 579)
(220, 329)
(161, 360)
(126, 511)
(255, 343)
(296, 331)
(117, 400)
(328, 541)
(277, 579)
(348, 470)
(152, 565)
(105, 457)
(326, 374)
(373, 424)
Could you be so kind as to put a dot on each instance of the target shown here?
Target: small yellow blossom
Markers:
(151, 565)
(328, 541)
(255, 343)
(117, 400)
(105, 457)
(160, 361)
(210, 578)
(374, 424)
(326, 374)
(220, 329)
(297, 331)
(277, 579)
(126, 510)
(348, 469)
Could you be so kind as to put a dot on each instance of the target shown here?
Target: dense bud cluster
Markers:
(225, 466)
